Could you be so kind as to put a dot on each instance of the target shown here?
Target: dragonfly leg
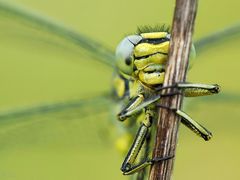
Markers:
(194, 126)
(144, 164)
(191, 124)
(138, 103)
(131, 107)
(142, 174)
(193, 89)
(128, 165)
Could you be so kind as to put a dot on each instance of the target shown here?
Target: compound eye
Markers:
(124, 53)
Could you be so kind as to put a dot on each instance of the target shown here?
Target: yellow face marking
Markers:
(154, 35)
(151, 78)
(145, 49)
(154, 67)
(154, 59)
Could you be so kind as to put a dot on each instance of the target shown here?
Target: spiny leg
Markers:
(189, 90)
(191, 124)
(129, 109)
(128, 166)
(193, 89)
(137, 104)
(194, 126)
(141, 175)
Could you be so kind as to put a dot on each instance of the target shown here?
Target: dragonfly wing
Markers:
(95, 104)
(44, 62)
(217, 38)
(34, 20)
(66, 136)
(39, 56)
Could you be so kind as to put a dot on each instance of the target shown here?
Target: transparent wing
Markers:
(220, 37)
(53, 144)
(54, 120)
(24, 16)
(95, 104)
(34, 48)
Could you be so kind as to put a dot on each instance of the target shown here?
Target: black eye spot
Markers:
(128, 61)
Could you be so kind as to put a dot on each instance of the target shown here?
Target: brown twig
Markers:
(168, 122)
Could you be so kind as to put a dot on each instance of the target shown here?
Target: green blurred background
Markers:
(37, 68)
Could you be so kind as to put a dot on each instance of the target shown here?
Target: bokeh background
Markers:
(74, 143)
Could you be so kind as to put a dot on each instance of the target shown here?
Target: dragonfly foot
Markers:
(159, 159)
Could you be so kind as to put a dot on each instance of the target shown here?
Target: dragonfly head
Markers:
(144, 56)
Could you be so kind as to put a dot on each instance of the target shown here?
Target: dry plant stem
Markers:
(168, 122)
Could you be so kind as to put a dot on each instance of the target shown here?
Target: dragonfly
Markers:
(100, 53)
(141, 61)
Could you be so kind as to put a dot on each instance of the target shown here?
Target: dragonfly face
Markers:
(140, 61)
(143, 57)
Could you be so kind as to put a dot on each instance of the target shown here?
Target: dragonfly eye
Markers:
(124, 53)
